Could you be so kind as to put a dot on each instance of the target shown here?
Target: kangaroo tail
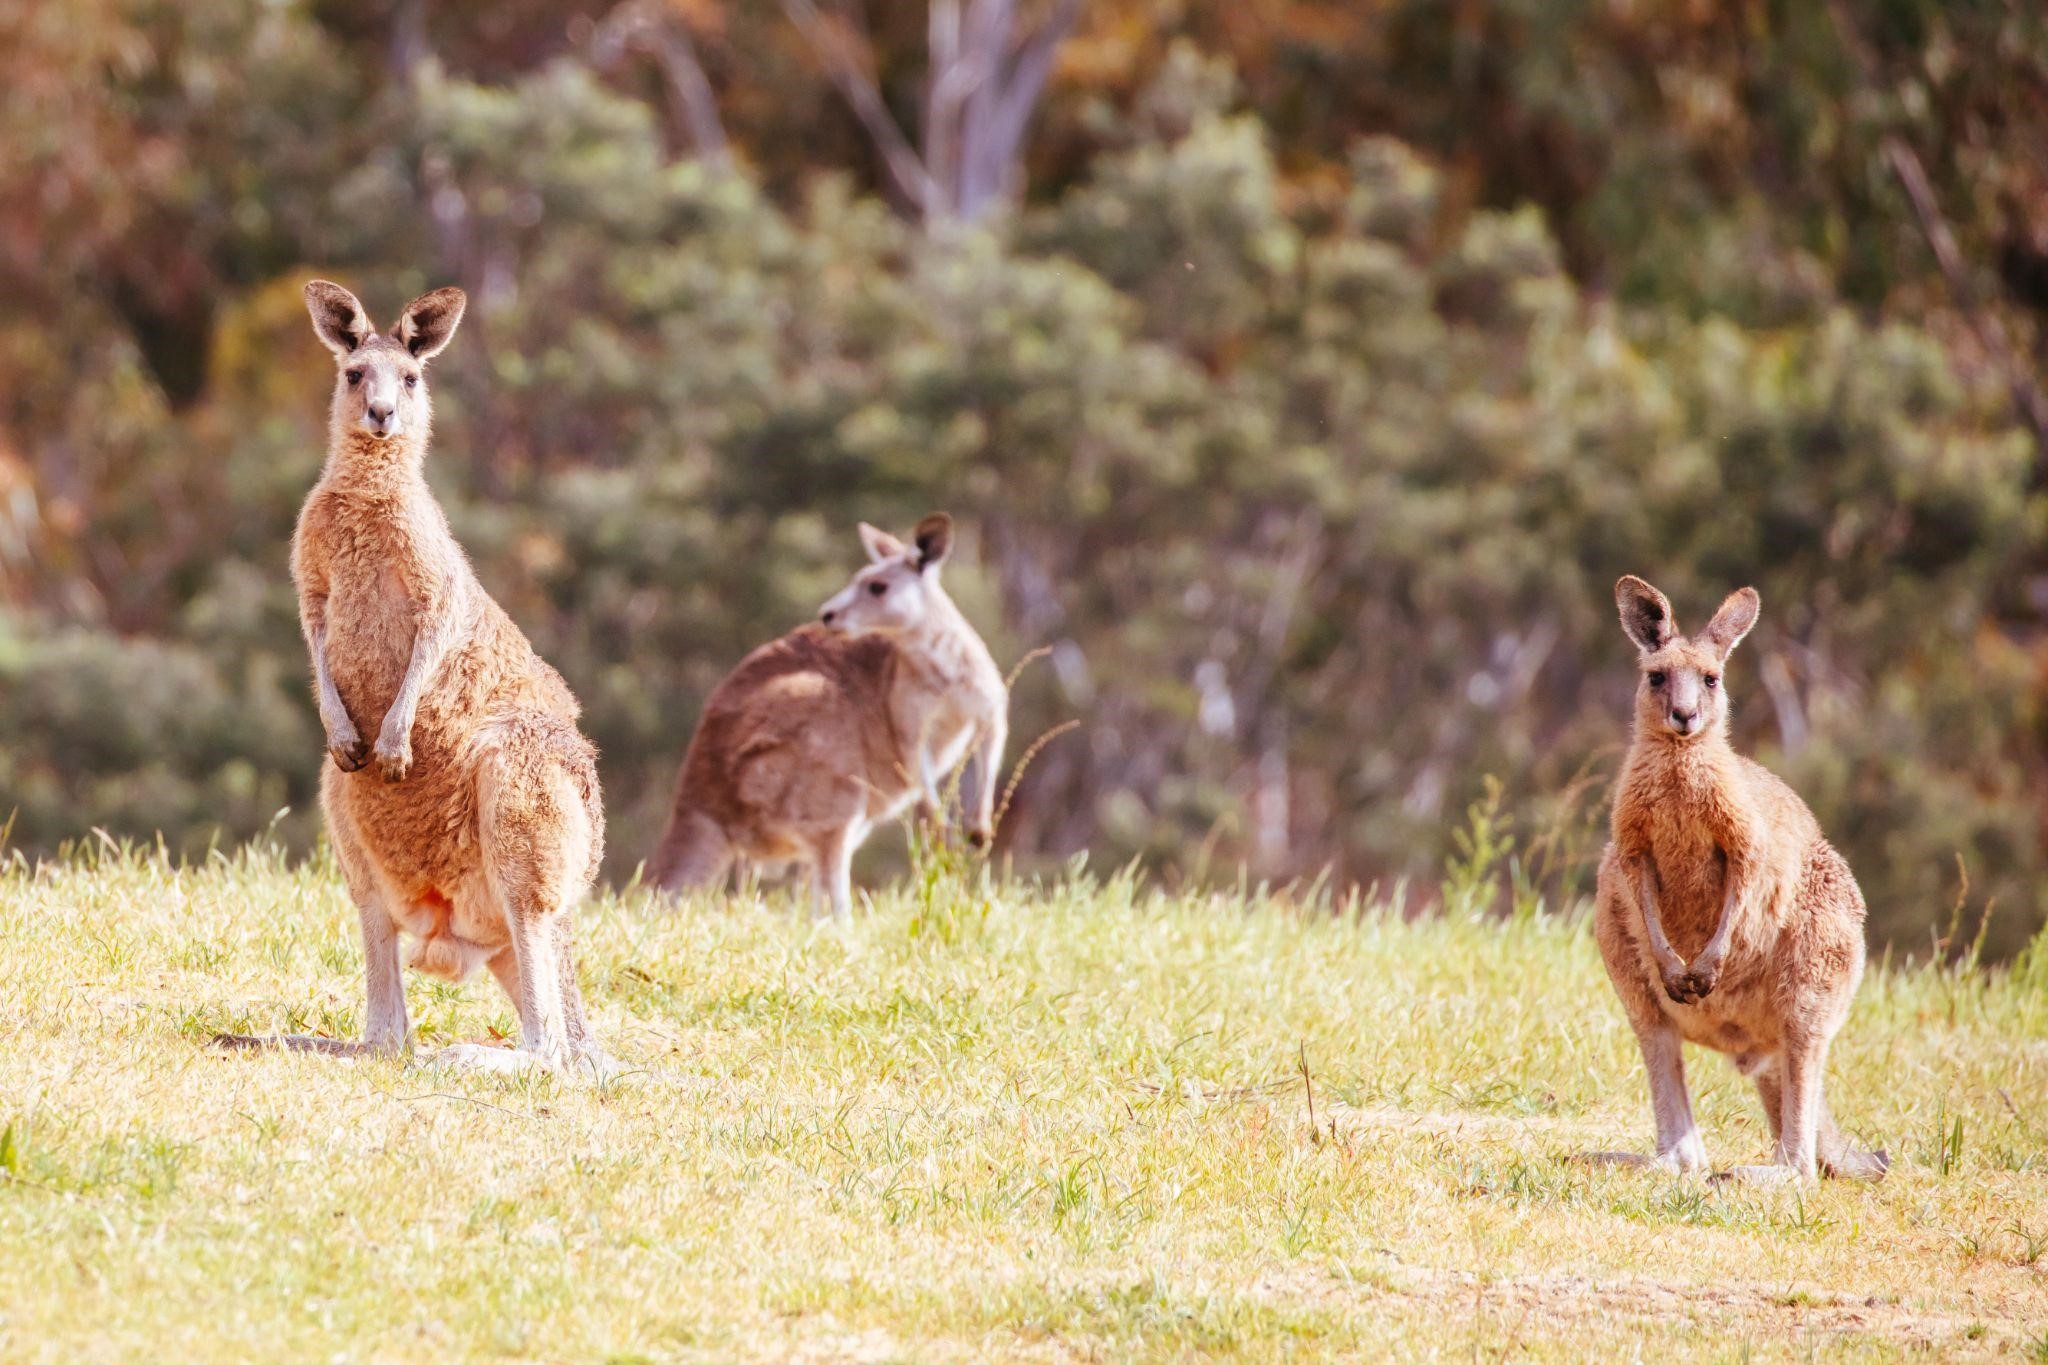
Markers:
(693, 852)
(298, 1042)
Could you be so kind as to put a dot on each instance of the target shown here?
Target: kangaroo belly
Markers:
(451, 932)
(1735, 1018)
(422, 833)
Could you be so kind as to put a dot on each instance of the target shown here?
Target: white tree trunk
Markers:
(985, 78)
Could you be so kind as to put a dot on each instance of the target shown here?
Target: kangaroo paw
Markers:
(394, 761)
(349, 755)
(1685, 988)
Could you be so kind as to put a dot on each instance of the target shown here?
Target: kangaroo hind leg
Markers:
(539, 850)
(386, 1028)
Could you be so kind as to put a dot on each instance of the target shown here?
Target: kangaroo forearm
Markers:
(1653, 924)
(429, 646)
(1724, 928)
(333, 715)
(991, 763)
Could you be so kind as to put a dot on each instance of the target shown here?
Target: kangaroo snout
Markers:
(380, 419)
(838, 615)
(1684, 722)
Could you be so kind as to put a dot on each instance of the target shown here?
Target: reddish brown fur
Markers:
(1705, 839)
(474, 823)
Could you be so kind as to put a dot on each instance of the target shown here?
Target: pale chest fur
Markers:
(1700, 814)
(943, 693)
(378, 563)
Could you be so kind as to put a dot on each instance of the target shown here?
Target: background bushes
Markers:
(1305, 404)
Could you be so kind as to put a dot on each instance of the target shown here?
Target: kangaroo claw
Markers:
(394, 764)
(1692, 985)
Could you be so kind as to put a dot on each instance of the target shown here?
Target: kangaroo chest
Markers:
(1686, 836)
(934, 723)
(1692, 874)
(377, 589)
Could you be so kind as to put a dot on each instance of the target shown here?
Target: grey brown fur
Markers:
(819, 737)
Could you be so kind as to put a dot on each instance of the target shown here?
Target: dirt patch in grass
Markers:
(1557, 1307)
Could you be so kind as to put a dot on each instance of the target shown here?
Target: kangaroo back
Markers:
(795, 740)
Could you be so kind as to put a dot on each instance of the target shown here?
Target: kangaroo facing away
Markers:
(1725, 919)
(820, 736)
(472, 824)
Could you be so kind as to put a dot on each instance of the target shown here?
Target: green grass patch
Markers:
(989, 1119)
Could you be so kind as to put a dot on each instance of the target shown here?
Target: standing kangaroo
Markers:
(1724, 917)
(472, 825)
(820, 736)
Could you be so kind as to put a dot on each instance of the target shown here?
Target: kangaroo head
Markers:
(899, 589)
(1680, 694)
(381, 390)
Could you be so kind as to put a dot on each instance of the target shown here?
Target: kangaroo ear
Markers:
(429, 321)
(934, 538)
(1733, 621)
(881, 546)
(1645, 614)
(338, 320)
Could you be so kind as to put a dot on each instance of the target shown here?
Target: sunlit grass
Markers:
(1052, 1120)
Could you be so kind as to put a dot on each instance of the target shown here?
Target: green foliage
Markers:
(149, 735)
(1313, 464)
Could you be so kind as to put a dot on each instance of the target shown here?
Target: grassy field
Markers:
(1068, 1120)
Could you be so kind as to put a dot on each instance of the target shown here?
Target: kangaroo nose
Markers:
(1679, 717)
(380, 413)
(829, 617)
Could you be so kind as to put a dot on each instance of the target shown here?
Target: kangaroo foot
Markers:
(481, 1057)
(1762, 1177)
(1681, 1160)
(1854, 1163)
(587, 1063)
(592, 1062)
(301, 1042)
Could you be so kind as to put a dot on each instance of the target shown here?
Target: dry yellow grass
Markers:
(1067, 1120)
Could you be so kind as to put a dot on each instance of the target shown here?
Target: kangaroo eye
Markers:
(1712, 680)
(355, 377)
(1656, 680)
(412, 381)
(878, 589)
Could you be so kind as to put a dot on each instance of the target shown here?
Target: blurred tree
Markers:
(986, 72)
(1303, 382)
